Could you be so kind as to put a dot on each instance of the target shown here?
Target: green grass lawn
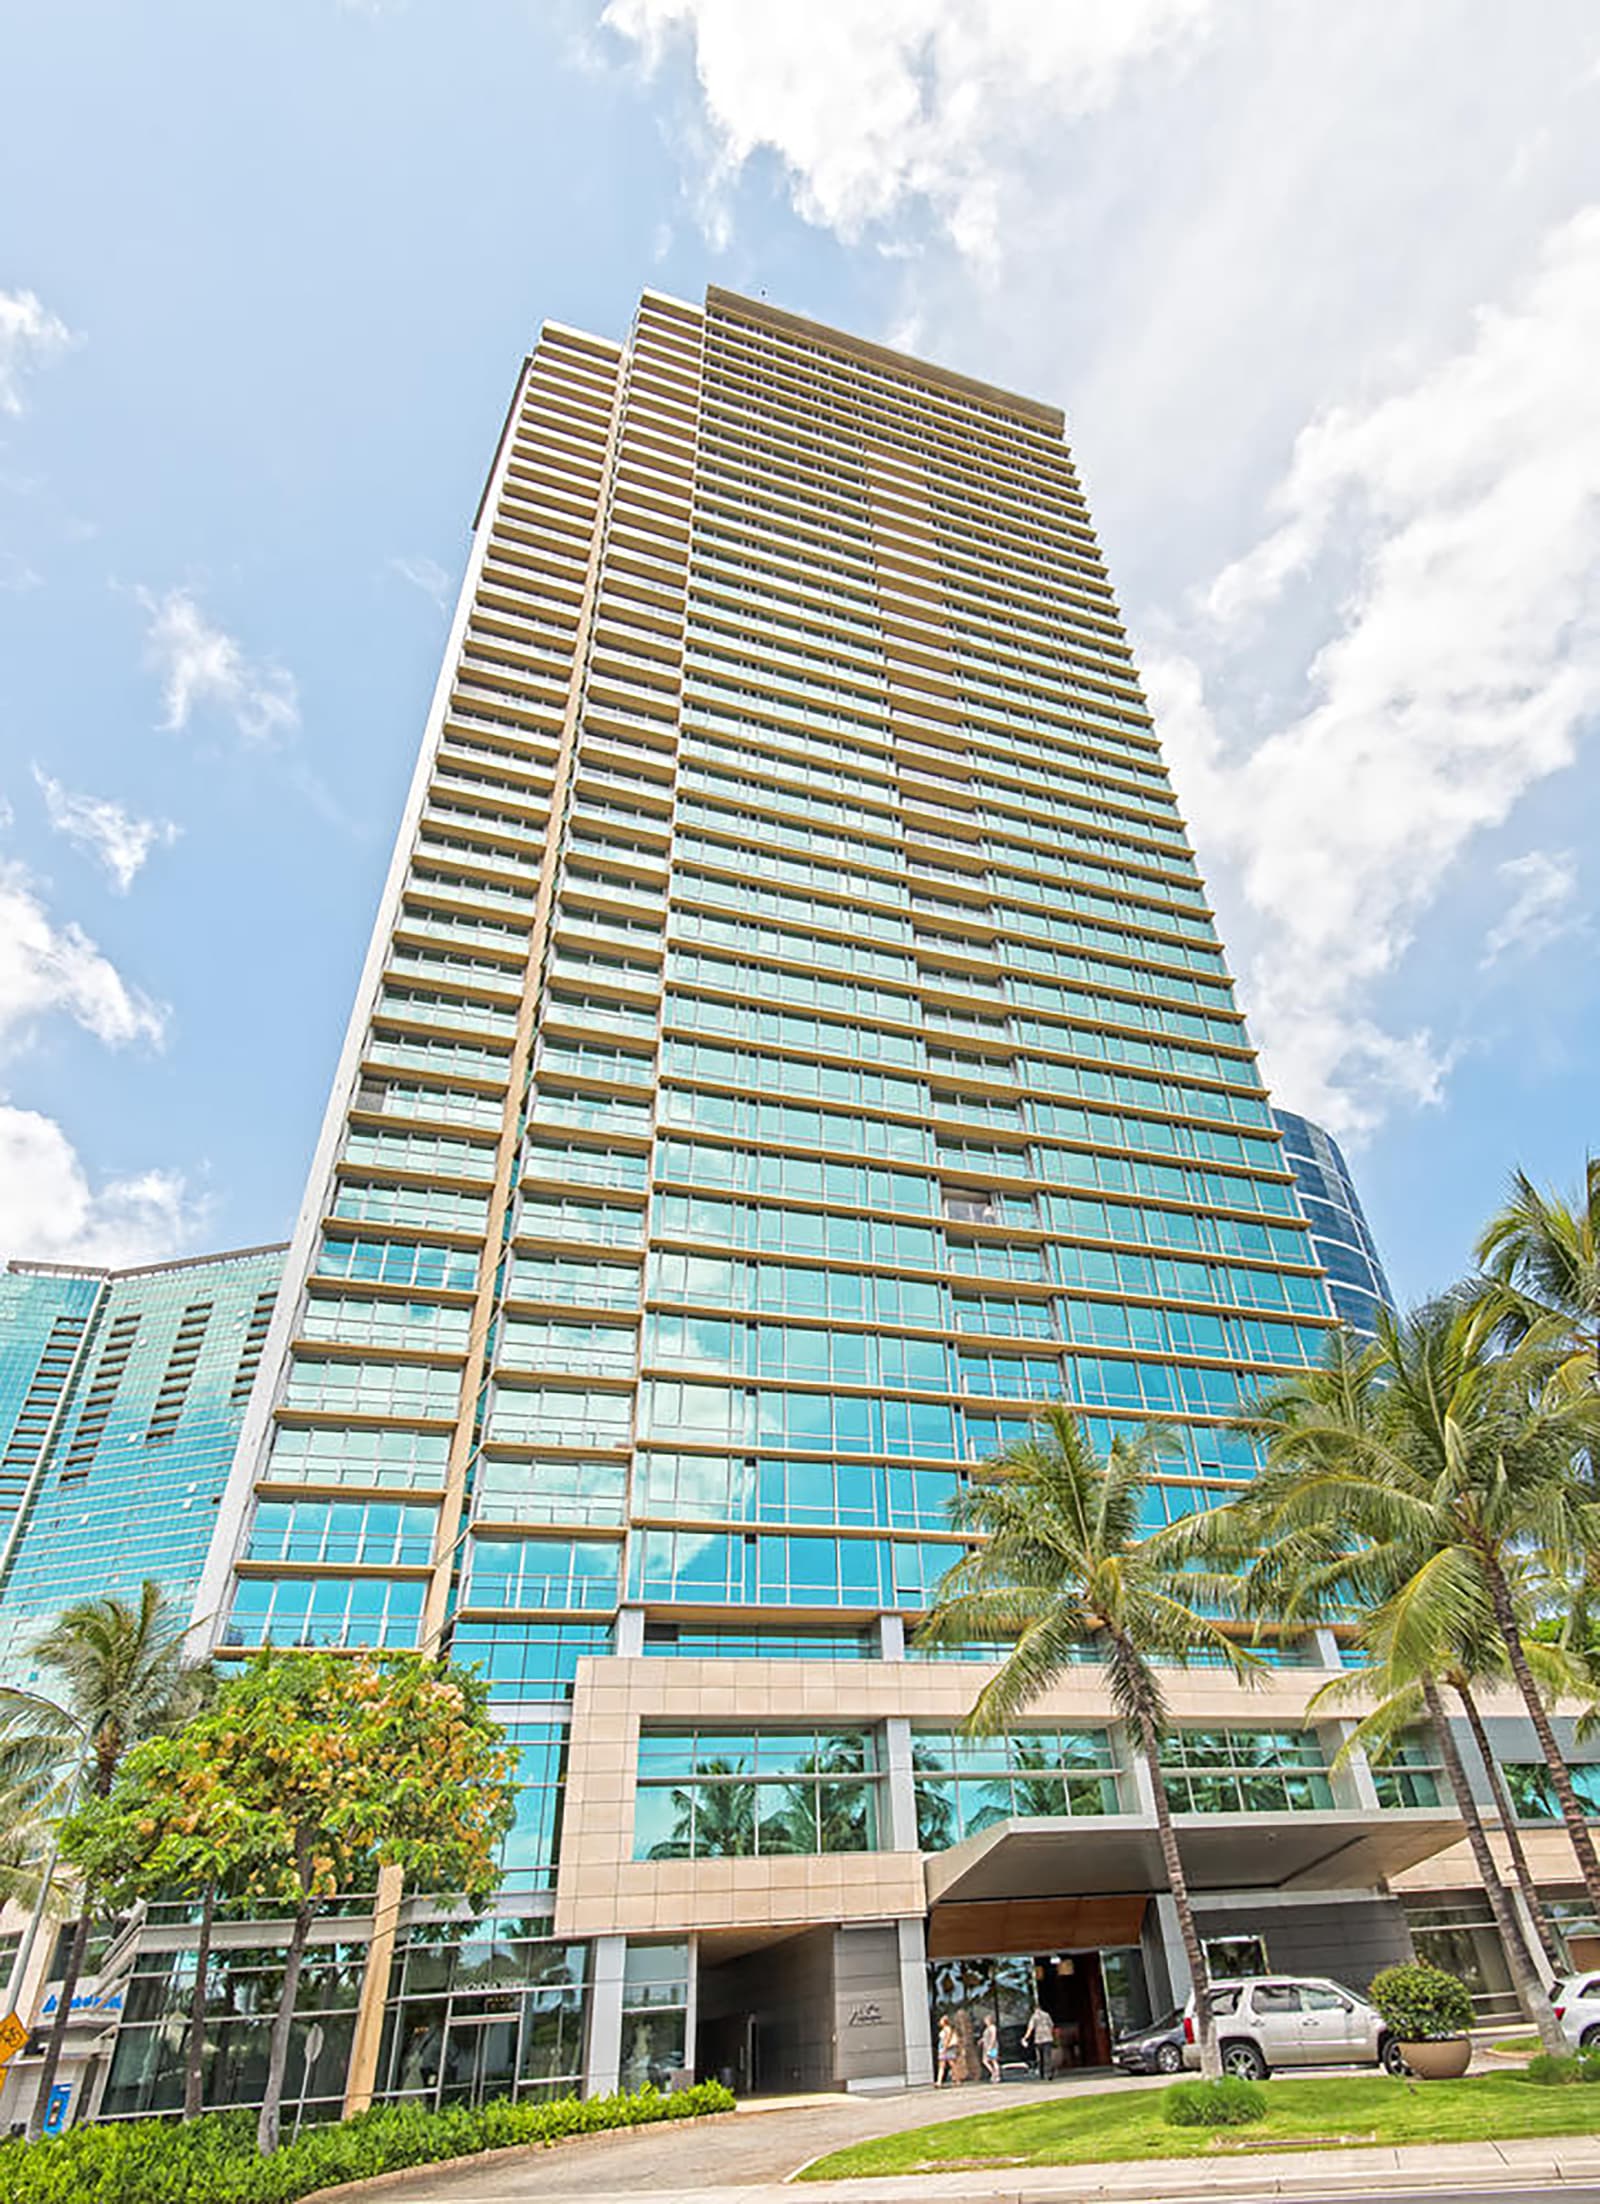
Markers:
(1367, 2108)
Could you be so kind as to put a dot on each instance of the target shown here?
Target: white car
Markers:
(1266, 2021)
(1577, 2004)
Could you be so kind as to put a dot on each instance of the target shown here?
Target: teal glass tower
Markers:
(121, 1398)
(1340, 1232)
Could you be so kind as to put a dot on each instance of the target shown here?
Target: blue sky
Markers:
(1321, 296)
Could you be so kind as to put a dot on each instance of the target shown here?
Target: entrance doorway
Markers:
(1072, 1991)
(1069, 1985)
(480, 2060)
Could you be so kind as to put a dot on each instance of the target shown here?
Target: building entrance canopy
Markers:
(1025, 1857)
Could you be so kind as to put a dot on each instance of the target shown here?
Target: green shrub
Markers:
(214, 2160)
(1554, 2072)
(1550, 2071)
(1230, 2102)
(1422, 2004)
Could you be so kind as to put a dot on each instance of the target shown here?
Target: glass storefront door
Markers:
(479, 2060)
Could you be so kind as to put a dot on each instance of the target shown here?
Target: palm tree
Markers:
(1541, 1257)
(1401, 1692)
(1431, 1465)
(1465, 1679)
(1063, 1567)
(121, 1677)
(30, 1798)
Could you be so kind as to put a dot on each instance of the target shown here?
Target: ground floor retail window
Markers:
(655, 2014)
(1463, 1940)
(242, 1993)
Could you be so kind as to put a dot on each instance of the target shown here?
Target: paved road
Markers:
(755, 2145)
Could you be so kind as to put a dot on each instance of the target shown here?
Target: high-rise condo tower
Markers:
(794, 1043)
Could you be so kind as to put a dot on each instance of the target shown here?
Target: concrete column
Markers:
(914, 2000)
(1327, 1646)
(1530, 1934)
(1172, 1947)
(630, 1632)
(603, 2066)
(362, 2072)
(892, 1637)
(1134, 1771)
(1354, 1779)
(900, 1785)
(691, 2012)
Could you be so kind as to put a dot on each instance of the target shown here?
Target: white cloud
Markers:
(49, 1210)
(202, 668)
(1460, 517)
(52, 1213)
(114, 837)
(30, 337)
(46, 969)
(905, 105)
(427, 575)
(1542, 908)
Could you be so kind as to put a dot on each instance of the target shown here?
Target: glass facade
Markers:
(965, 1784)
(802, 1044)
(1533, 1796)
(1245, 1771)
(122, 1394)
(716, 1794)
(1340, 1233)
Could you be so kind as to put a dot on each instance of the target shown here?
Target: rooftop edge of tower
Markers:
(906, 363)
(20, 1266)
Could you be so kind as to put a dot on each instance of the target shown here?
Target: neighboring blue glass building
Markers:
(1339, 1229)
(121, 1397)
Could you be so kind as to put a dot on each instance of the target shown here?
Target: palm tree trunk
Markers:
(1513, 1836)
(1505, 1615)
(1524, 1975)
(1178, 1885)
(195, 2050)
(58, 2027)
(282, 2023)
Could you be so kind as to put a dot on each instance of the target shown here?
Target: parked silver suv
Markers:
(1291, 2020)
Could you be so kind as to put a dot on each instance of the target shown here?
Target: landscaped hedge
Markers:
(214, 2161)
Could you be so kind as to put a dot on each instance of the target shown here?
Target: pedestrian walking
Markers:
(949, 2051)
(1040, 2035)
(989, 2048)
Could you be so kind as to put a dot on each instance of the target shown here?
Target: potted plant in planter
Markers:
(1428, 2012)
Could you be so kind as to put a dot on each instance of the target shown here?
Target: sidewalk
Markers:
(1500, 2168)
